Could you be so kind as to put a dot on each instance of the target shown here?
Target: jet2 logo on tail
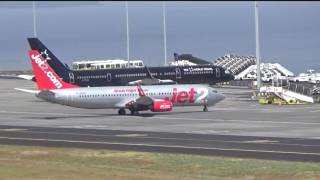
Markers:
(38, 59)
(46, 54)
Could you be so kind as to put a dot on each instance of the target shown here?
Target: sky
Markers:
(289, 31)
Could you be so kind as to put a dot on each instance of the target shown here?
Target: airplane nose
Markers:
(215, 97)
(220, 97)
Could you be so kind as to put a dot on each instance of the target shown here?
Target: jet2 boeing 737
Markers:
(157, 98)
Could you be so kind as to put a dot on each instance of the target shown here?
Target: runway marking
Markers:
(269, 108)
(164, 146)
(39, 113)
(167, 117)
(12, 129)
(146, 136)
(209, 131)
(227, 120)
(131, 135)
(263, 141)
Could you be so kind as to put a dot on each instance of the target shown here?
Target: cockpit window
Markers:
(215, 91)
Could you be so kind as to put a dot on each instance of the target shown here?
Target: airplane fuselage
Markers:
(118, 96)
(201, 74)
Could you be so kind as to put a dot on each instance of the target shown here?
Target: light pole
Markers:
(257, 45)
(164, 32)
(128, 42)
(34, 19)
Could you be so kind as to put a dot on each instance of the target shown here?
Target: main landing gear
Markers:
(122, 111)
(134, 112)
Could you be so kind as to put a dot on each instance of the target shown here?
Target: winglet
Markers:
(141, 93)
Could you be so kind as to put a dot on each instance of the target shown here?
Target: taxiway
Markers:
(236, 126)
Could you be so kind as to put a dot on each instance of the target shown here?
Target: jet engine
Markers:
(161, 105)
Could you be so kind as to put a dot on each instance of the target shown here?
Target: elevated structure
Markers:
(235, 63)
(106, 64)
(310, 76)
(269, 71)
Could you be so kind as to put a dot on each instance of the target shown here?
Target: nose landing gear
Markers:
(205, 108)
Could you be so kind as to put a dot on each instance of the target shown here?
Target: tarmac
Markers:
(249, 129)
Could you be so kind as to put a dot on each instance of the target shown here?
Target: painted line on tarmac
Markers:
(147, 136)
(167, 117)
(162, 146)
(226, 120)
(42, 113)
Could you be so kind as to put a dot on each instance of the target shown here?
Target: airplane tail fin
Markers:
(53, 61)
(176, 56)
(46, 77)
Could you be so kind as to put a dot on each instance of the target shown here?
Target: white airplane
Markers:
(157, 98)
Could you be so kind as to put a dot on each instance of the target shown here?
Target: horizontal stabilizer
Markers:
(27, 77)
(28, 90)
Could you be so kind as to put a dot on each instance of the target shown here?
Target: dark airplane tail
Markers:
(176, 56)
(52, 60)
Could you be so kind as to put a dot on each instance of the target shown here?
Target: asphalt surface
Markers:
(216, 145)
(236, 127)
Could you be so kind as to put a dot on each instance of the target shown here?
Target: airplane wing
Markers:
(148, 103)
(134, 103)
(190, 58)
(150, 80)
(125, 102)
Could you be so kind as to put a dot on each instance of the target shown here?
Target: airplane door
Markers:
(71, 78)
(178, 73)
(109, 77)
(69, 99)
